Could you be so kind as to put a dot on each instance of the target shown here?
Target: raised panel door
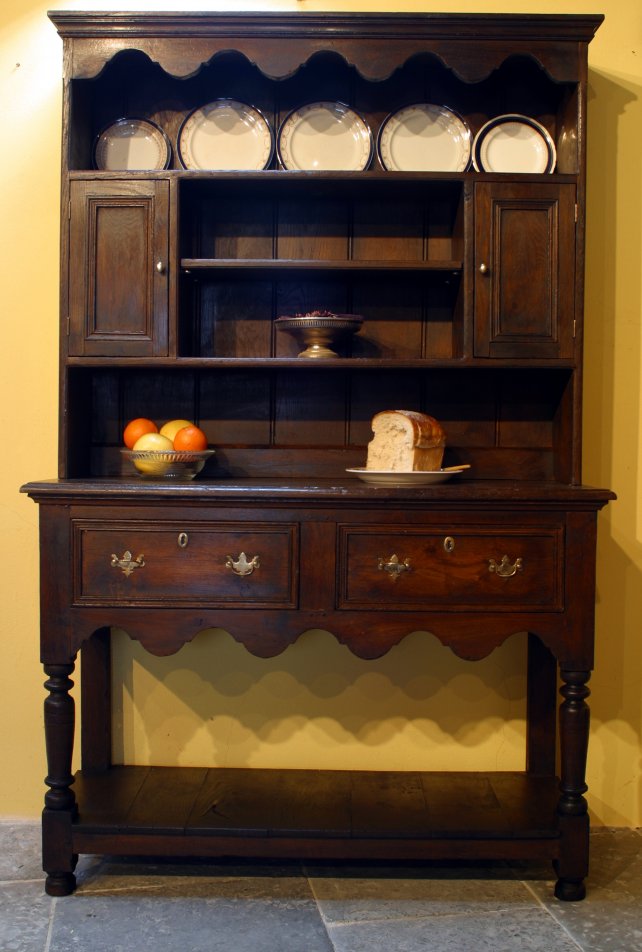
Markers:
(524, 270)
(118, 251)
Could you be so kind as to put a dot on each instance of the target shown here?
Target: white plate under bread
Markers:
(390, 477)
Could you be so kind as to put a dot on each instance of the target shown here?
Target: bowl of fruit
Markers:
(178, 450)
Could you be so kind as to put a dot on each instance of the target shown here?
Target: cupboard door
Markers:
(118, 250)
(524, 270)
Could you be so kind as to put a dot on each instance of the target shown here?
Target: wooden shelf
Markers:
(329, 814)
(282, 264)
(316, 365)
(291, 176)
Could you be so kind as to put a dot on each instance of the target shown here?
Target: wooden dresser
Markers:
(470, 284)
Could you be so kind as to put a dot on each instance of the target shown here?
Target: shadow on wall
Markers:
(317, 705)
(612, 444)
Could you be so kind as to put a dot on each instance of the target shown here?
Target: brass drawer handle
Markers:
(241, 566)
(394, 566)
(126, 563)
(504, 568)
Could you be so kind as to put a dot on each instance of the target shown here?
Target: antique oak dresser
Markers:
(469, 279)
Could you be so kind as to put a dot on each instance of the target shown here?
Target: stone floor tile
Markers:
(20, 851)
(616, 857)
(610, 918)
(138, 904)
(140, 922)
(525, 930)
(193, 879)
(25, 913)
(406, 893)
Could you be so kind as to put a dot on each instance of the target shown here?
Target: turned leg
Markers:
(572, 866)
(60, 802)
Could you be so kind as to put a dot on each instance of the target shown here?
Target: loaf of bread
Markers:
(405, 441)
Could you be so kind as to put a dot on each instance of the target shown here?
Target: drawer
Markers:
(402, 569)
(227, 565)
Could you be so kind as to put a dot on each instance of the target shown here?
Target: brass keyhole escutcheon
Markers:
(449, 544)
(182, 540)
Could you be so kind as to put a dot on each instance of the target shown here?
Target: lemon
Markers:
(171, 428)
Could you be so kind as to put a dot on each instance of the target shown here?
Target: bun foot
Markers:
(60, 884)
(569, 891)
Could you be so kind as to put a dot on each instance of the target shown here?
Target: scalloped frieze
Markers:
(282, 57)
(470, 641)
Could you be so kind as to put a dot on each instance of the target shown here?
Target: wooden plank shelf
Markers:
(310, 264)
(344, 363)
(329, 814)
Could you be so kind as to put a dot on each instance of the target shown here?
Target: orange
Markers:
(190, 439)
(135, 429)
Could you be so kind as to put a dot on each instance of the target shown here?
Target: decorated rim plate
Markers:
(325, 135)
(388, 477)
(513, 143)
(226, 135)
(130, 145)
(424, 138)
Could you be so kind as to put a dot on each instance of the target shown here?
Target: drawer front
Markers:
(167, 564)
(460, 570)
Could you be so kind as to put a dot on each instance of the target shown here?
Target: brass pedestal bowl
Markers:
(320, 331)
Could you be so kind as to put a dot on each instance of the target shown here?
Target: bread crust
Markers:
(428, 432)
(405, 441)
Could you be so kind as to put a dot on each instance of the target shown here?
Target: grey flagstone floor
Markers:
(133, 906)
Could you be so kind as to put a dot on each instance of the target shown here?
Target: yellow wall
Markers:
(316, 704)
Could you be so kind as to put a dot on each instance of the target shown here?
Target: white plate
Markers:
(513, 143)
(226, 135)
(388, 477)
(424, 138)
(130, 145)
(325, 135)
